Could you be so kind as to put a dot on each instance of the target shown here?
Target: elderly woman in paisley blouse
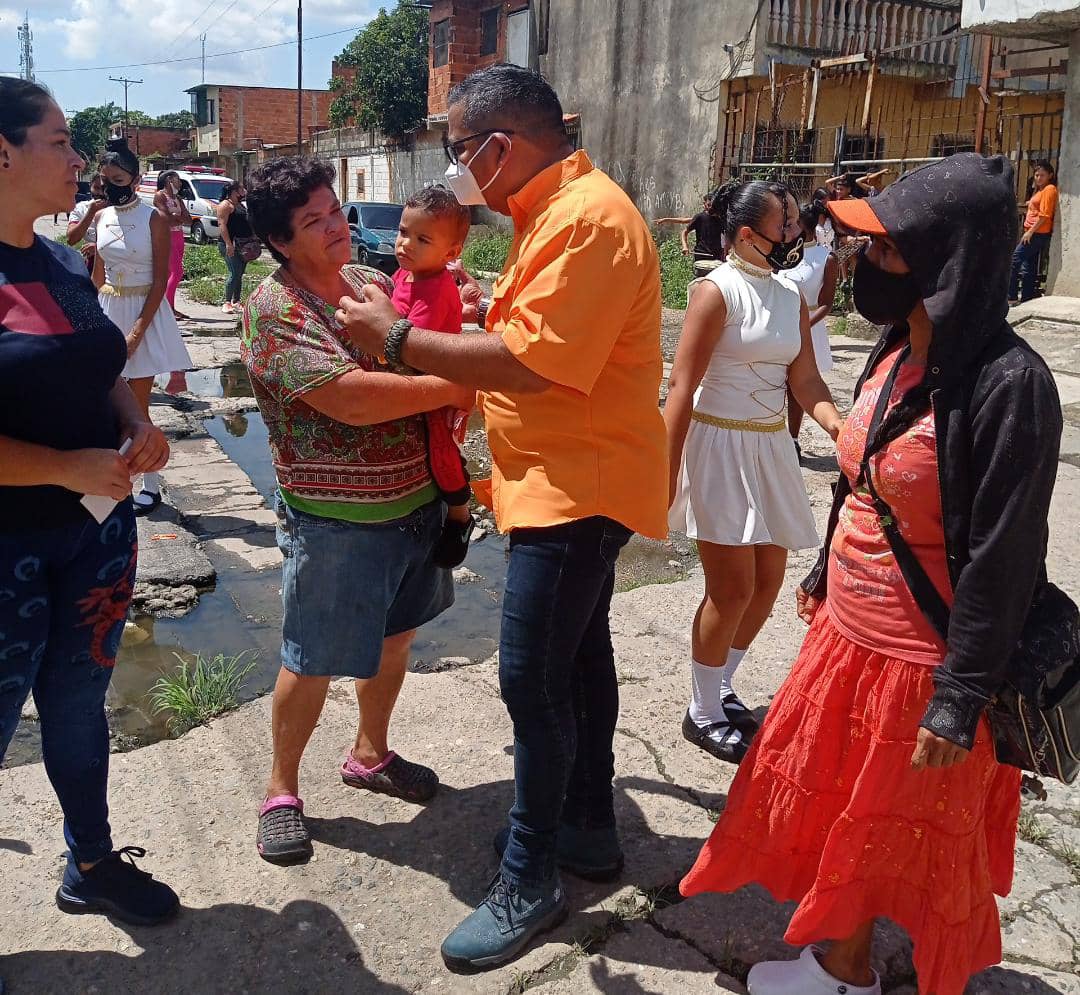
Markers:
(358, 511)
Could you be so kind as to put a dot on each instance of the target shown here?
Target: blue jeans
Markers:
(64, 595)
(236, 264)
(557, 675)
(1025, 267)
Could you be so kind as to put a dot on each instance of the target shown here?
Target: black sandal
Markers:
(716, 739)
(142, 508)
(283, 838)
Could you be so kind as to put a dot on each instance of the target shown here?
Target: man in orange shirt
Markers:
(1038, 229)
(569, 378)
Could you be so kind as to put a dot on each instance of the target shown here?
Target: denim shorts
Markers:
(345, 586)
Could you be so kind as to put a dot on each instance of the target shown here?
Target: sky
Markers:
(87, 36)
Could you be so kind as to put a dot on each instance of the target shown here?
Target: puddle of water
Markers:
(230, 380)
(244, 438)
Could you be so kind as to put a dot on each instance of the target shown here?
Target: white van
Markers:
(200, 190)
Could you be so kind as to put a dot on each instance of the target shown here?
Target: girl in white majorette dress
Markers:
(736, 486)
(131, 272)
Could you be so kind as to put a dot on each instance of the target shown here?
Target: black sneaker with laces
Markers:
(116, 887)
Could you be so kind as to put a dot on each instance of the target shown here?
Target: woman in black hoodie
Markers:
(872, 788)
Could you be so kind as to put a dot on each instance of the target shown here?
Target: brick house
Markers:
(233, 120)
(153, 143)
(469, 34)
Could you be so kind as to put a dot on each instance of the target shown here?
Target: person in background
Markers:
(358, 512)
(570, 376)
(131, 270)
(873, 183)
(82, 222)
(708, 234)
(873, 788)
(845, 187)
(816, 277)
(236, 238)
(735, 484)
(67, 577)
(172, 208)
(823, 229)
(431, 234)
(1038, 229)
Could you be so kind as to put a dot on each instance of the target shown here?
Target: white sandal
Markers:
(804, 976)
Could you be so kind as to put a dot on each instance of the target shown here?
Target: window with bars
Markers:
(784, 144)
(859, 148)
(945, 145)
(489, 31)
(440, 43)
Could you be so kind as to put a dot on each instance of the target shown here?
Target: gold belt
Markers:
(734, 425)
(110, 291)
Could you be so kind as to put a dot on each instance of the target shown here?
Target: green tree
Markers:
(390, 59)
(175, 119)
(90, 128)
(139, 118)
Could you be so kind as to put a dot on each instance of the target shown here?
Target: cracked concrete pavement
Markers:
(390, 879)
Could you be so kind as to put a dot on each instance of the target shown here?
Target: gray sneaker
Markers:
(504, 924)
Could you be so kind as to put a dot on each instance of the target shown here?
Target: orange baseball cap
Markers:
(856, 214)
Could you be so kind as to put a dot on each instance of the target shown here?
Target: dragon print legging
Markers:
(64, 595)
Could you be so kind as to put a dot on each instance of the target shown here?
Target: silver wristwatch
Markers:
(395, 339)
(482, 309)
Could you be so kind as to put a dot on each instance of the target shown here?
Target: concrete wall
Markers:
(1050, 19)
(630, 70)
(1063, 277)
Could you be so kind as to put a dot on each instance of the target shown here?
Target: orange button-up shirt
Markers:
(1040, 212)
(579, 304)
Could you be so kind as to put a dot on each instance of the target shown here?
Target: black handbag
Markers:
(1035, 715)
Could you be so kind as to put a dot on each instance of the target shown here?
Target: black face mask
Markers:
(781, 255)
(117, 195)
(883, 298)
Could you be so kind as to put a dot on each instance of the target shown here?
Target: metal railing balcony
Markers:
(913, 29)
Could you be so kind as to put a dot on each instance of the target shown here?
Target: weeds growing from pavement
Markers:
(195, 692)
(487, 253)
(205, 274)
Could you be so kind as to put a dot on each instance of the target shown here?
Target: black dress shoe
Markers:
(720, 739)
(143, 507)
(740, 716)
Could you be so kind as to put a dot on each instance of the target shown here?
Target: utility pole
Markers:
(127, 82)
(26, 49)
(299, 76)
(204, 57)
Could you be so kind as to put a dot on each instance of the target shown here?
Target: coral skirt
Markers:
(826, 811)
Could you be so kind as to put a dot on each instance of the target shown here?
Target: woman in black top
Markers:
(235, 232)
(67, 563)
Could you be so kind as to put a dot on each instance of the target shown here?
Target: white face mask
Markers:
(463, 183)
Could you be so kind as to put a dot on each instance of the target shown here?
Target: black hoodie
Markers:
(997, 417)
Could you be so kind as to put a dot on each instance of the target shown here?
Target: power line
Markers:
(195, 58)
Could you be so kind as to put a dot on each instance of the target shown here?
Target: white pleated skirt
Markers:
(742, 489)
(162, 349)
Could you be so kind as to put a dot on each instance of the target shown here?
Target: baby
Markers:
(431, 234)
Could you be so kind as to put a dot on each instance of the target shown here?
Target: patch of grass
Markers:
(487, 253)
(205, 274)
(1031, 830)
(842, 297)
(676, 271)
(839, 327)
(1071, 856)
(195, 693)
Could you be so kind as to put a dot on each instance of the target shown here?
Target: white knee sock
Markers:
(734, 658)
(150, 483)
(705, 708)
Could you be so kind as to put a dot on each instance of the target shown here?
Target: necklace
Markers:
(129, 205)
(748, 269)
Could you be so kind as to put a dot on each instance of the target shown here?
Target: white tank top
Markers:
(809, 275)
(123, 242)
(746, 379)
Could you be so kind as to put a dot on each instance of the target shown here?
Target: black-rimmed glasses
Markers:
(453, 150)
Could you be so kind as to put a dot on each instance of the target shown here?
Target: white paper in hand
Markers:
(98, 505)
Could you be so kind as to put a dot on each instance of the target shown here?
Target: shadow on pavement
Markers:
(225, 948)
